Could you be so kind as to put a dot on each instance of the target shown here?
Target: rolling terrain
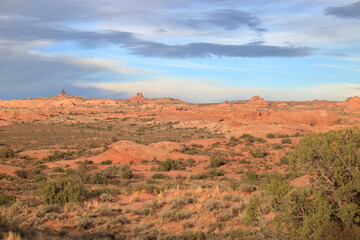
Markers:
(155, 168)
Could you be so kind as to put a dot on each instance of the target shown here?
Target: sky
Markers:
(197, 51)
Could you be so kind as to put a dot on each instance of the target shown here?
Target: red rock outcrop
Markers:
(353, 101)
(139, 98)
(258, 102)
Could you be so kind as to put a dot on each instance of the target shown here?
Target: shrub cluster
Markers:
(63, 190)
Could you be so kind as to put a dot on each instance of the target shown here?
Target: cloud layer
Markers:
(347, 11)
(234, 42)
(30, 31)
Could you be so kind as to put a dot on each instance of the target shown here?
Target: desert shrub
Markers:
(104, 210)
(160, 176)
(180, 177)
(104, 190)
(97, 178)
(297, 134)
(332, 207)
(217, 162)
(278, 187)
(247, 136)
(209, 174)
(215, 172)
(271, 135)
(39, 179)
(251, 177)
(276, 146)
(232, 197)
(21, 173)
(233, 141)
(258, 153)
(286, 141)
(106, 197)
(250, 139)
(284, 160)
(181, 201)
(12, 236)
(148, 188)
(7, 199)
(170, 164)
(126, 172)
(227, 214)
(190, 162)
(171, 215)
(247, 188)
(63, 190)
(57, 169)
(84, 222)
(213, 204)
(253, 210)
(106, 162)
(7, 152)
(58, 155)
(48, 209)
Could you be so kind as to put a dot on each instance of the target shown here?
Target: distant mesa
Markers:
(258, 101)
(139, 97)
(353, 100)
(63, 92)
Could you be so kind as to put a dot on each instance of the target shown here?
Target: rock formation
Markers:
(258, 102)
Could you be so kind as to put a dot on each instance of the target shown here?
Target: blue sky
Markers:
(198, 51)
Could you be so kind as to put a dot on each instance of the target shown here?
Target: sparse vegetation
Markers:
(170, 164)
(62, 191)
(58, 182)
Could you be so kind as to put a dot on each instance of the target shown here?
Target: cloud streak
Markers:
(228, 19)
(23, 73)
(26, 31)
(347, 11)
(202, 50)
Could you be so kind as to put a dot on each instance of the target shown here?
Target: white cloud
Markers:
(345, 67)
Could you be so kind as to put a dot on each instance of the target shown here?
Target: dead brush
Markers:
(12, 236)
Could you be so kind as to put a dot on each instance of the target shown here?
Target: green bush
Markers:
(126, 172)
(97, 178)
(160, 176)
(331, 210)
(209, 174)
(106, 162)
(5, 199)
(21, 173)
(251, 177)
(284, 160)
(270, 135)
(57, 169)
(286, 141)
(278, 187)
(170, 164)
(58, 155)
(253, 210)
(63, 190)
(7, 152)
(217, 162)
(258, 153)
